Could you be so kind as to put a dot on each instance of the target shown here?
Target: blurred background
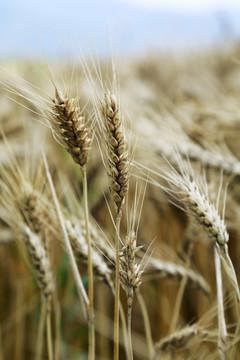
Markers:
(133, 26)
(179, 77)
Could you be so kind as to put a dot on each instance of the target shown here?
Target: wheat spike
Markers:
(130, 271)
(187, 190)
(40, 260)
(159, 268)
(72, 129)
(77, 239)
(180, 338)
(116, 148)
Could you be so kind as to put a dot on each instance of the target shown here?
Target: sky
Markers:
(29, 28)
(187, 5)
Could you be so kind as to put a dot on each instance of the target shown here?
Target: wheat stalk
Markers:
(130, 275)
(75, 133)
(118, 168)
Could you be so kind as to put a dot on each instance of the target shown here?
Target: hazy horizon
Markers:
(28, 27)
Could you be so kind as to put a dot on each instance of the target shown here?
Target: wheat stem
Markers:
(81, 290)
(117, 287)
(91, 316)
(181, 290)
(1, 345)
(146, 321)
(19, 335)
(57, 342)
(222, 333)
(49, 335)
(41, 330)
(129, 319)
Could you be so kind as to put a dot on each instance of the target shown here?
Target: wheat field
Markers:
(120, 208)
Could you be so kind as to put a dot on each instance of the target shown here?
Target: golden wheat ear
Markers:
(71, 127)
(40, 261)
(117, 153)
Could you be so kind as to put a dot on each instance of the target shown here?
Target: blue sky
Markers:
(133, 26)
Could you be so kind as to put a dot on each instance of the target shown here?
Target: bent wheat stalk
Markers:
(81, 290)
(222, 334)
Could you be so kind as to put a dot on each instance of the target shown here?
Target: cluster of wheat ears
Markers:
(133, 247)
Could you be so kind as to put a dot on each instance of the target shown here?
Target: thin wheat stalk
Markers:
(57, 342)
(176, 311)
(117, 287)
(222, 334)
(41, 326)
(147, 324)
(19, 333)
(130, 275)
(49, 335)
(74, 132)
(91, 345)
(1, 345)
(118, 168)
(81, 290)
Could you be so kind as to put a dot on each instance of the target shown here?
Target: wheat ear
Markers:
(179, 339)
(159, 268)
(185, 189)
(44, 276)
(118, 163)
(71, 128)
(40, 260)
(77, 239)
(198, 205)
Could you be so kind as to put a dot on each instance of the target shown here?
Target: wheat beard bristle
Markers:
(117, 151)
(70, 124)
